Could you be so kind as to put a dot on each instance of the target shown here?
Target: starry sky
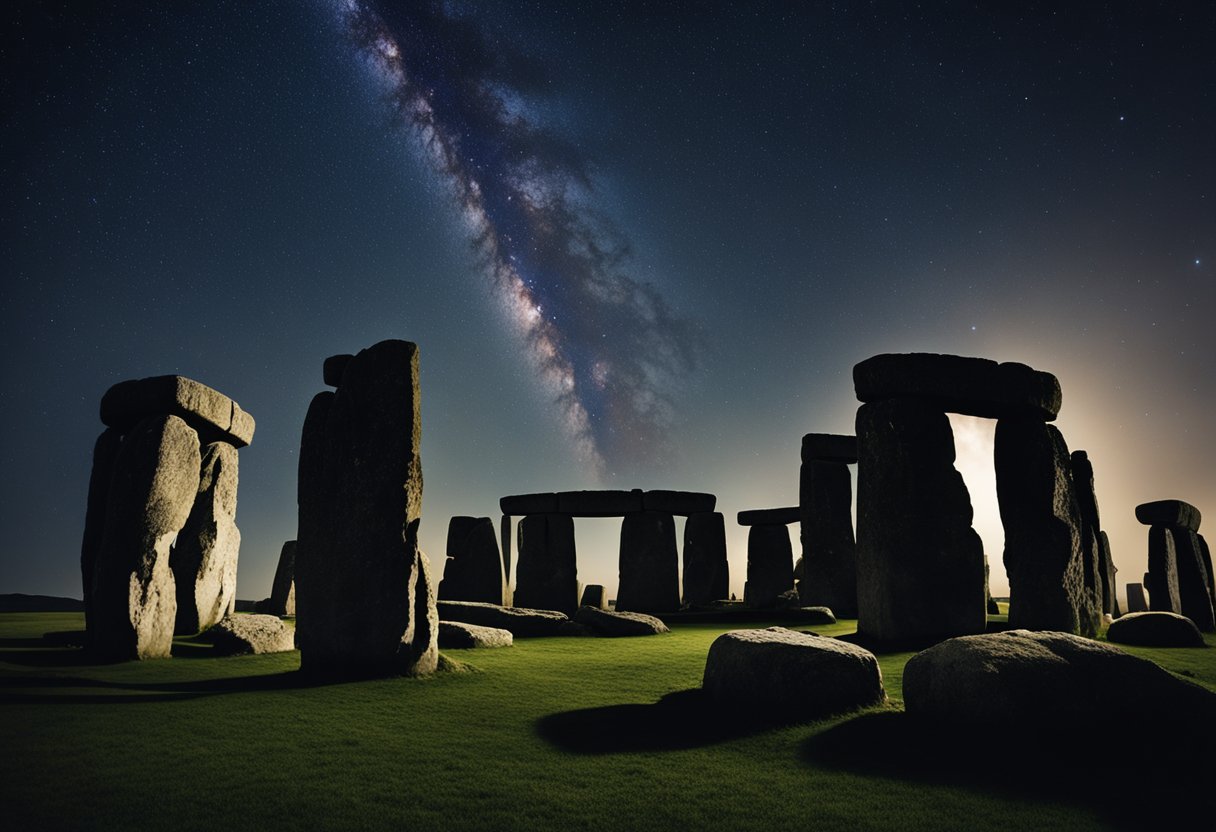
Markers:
(640, 245)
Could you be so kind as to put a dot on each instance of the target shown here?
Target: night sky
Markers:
(639, 245)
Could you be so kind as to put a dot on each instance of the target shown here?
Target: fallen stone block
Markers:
(459, 635)
(1155, 629)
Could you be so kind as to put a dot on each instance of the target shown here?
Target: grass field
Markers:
(563, 734)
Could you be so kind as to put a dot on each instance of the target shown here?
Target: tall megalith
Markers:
(706, 569)
(473, 571)
(204, 559)
(649, 563)
(1179, 563)
(546, 571)
(825, 502)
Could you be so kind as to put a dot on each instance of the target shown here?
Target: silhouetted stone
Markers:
(204, 558)
(365, 600)
(155, 479)
(770, 565)
(829, 551)
(1161, 580)
(594, 595)
(1155, 629)
(993, 607)
(282, 599)
(1110, 581)
(989, 603)
(1021, 678)
(1193, 592)
(333, 368)
(1172, 513)
(1043, 556)
(599, 503)
(649, 563)
(783, 674)
(522, 504)
(504, 529)
(829, 447)
(213, 415)
(474, 565)
(920, 565)
(546, 576)
(682, 503)
(313, 507)
(105, 451)
(521, 622)
(706, 569)
(769, 516)
(1205, 555)
(1135, 598)
(457, 635)
(240, 634)
(606, 623)
(1087, 511)
(951, 383)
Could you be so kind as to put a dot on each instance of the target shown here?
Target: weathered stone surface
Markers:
(504, 534)
(770, 565)
(606, 623)
(1155, 629)
(364, 596)
(829, 447)
(769, 516)
(790, 675)
(1110, 581)
(155, 479)
(1161, 580)
(212, 414)
(1193, 592)
(920, 565)
(1205, 556)
(1020, 677)
(1172, 513)
(546, 577)
(105, 451)
(239, 634)
(523, 504)
(474, 565)
(521, 622)
(682, 503)
(333, 368)
(1135, 599)
(1087, 511)
(706, 569)
(649, 563)
(829, 550)
(458, 635)
(1043, 556)
(204, 558)
(282, 600)
(972, 386)
(594, 595)
(599, 503)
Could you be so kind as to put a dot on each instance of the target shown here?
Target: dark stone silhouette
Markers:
(214, 416)
(204, 558)
(474, 565)
(505, 536)
(282, 599)
(599, 503)
(1135, 598)
(546, 576)
(829, 447)
(615, 624)
(457, 635)
(769, 516)
(1193, 592)
(1093, 558)
(1205, 555)
(1110, 578)
(683, 503)
(706, 570)
(1161, 580)
(594, 595)
(829, 550)
(523, 504)
(105, 451)
(312, 504)
(1155, 629)
(649, 564)
(770, 565)
(333, 368)
(1172, 513)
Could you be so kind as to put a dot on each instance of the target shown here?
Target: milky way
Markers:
(606, 345)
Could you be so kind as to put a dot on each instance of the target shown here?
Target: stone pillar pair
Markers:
(1180, 577)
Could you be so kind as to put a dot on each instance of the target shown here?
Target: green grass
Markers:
(565, 734)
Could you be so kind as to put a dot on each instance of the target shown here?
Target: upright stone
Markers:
(474, 565)
(594, 596)
(155, 479)
(1043, 554)
(1135, 598)
(504, 528)
(1205, 554)
(770, 564)
(649, 564)
(366, 604)
(1106, 561)
(283, 590)
(546, 576)
(920, 565)
(1091, 547)
(105, 450)
(204, 559)
(1161, 580)
(829, 551)
(312, 501)
(706, 569)
(1193, 592)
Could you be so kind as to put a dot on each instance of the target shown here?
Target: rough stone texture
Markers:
(1173, 513)
(155, 479)
(1161, 580)
(790, 675)
(333, 368)
(594, 595)
(1091, 547)
(240, 634)
(213, 415)
(521, 622)
(1020, 677)
(364, 597)
(1155, 629)
(504, 534)
(546, 577)
(682, 503)
(1043, 556)
(649, 563)
(105, 451)
(706, 569)
(474, 565)
(1135, 599)
(606, 623)
(1193, 592)
(829, 550)
(1110, 580)
(204, 558)
(522, 504)
(951, 383)
(920, 565)
(770, 565)
(1205, 555)
(282, 600)
(829, 447)
(457, 635)
(599, 503)
(769, 516)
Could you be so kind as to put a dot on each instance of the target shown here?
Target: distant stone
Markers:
(606, 623)
(546, 576)
(212, 414)
(1135, 598)
(521, 504)
(594, 595)
(815, 615)
(1193, 589)
(971, 386)
(649, 564)
(204, 558)
(1110, 581)
(706, 569)
(770, 565)
(829, 447)
(240, 634)
(457, 635)
(282, 599)
(1155, 629)
(1173, 513)
(474, 564)
(105, 451)
(521, 622)
(829, 550)
(769, 516)
(1021, 678)
(333, 368)
(1161, 580)
(993, 607)
(783, 674)
(599, 503)
(682, 503)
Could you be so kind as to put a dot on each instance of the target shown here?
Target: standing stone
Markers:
(283, 590)
(1193, 593)
(504, 528)
(706, 569)
(312, 502)
(204, 559)
(920, 565)
(1091, 547)
(1205, 554)
(1043, 555)
(595, 596)
(546, 576)
(214, 416)
(105, 450)
(649, 563)
(366, 604)
(1135, 598)
(155, 479)
(1161, 580)
(770, 565)
(474, 565)
(1110, 598)
(829, 550)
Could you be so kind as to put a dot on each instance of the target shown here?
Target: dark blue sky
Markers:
(229, 192)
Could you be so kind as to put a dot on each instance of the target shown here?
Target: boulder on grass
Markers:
(454, 635)
(605, 623)
(1155, 629)
(520, 621)
(239, 634)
